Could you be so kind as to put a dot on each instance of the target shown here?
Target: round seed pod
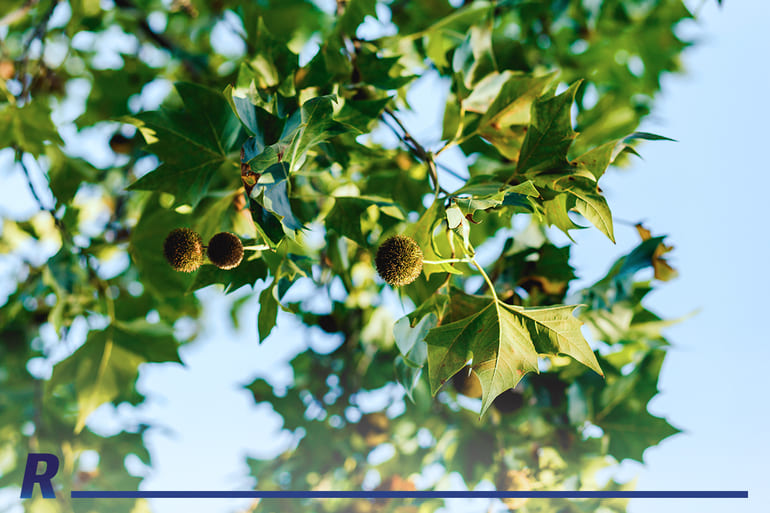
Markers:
(509, 401)
(374, 427)
(225, 250)
(467, 382)
(399, 260)
(121, 144)
(515, 481)
(183, 248)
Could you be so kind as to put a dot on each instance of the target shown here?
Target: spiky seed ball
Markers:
(225, 250)
(399, 260)
(183, 248)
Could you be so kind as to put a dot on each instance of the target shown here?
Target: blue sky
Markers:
(707, 192)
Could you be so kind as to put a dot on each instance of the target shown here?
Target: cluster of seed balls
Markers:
(183, 248)
(398, 260)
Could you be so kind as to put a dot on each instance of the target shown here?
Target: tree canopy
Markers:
(133, 118)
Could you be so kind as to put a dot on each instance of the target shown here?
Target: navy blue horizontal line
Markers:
(311, 494)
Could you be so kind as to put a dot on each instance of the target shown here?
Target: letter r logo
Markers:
(31, 476)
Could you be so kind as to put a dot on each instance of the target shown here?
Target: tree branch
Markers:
(407, 137)
(415, 147)
(28, 176)
(164, 42)
(38, 33)
(58, 222)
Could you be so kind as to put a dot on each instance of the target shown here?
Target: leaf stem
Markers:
(449, 261)
(486, 279)
(434, 175)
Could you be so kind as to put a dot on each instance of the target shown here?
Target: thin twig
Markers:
(58, 222)
(192, 66)
(38, 33)
(28, 176)
(415, 147)
(451, 171)
(421, 151)
(398, 135)
(618, 220)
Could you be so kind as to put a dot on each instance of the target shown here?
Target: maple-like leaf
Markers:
(192, 143)
(502, 342)
(550, 133)
(108, 359)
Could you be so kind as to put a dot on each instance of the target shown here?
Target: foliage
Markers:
(254, 141)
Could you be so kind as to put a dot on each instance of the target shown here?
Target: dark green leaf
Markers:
(268, 312)
(550, 133)
(272, 192)
(193, 144)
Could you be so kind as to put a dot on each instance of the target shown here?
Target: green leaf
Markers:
(66, 174)
(193, 144)
(512, 105)
(354, 14)
(109, 359)
(554, 331)
(457, 222)
(381, 72)
(112, 88)
(272, 64)
(309, 126)
(555, 213)
(474, 58)
(500, 350)
(263, 126)
(626, 422)
(272, 192)
(631, 432)
(268, 312)
(360, 115)
(154, 342)
(449, 31)
(550, 133)
(436, 304)
(589, 202)
(598, 159)
(146, 250)
(251, 269)
(617, 284)
(28, 127)
(410, 339)
(488, 194)
(348, 212)
(502, 342)
(422, 233)
(408, 375)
